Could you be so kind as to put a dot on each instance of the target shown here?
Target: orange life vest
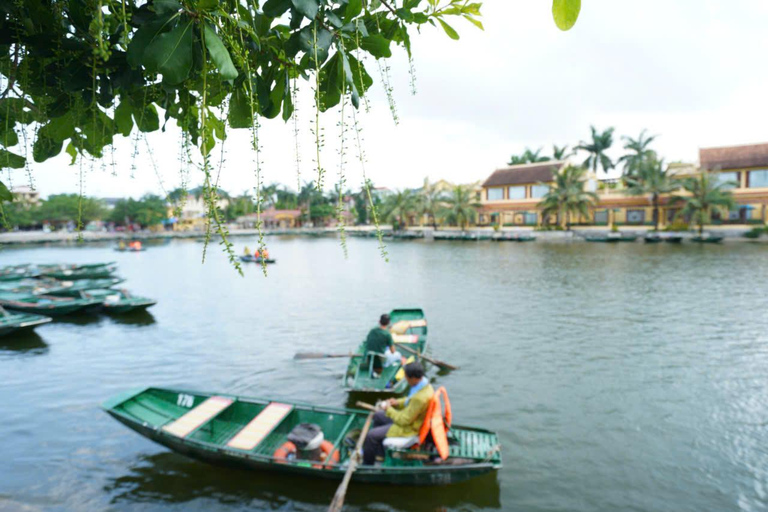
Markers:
(434, 423)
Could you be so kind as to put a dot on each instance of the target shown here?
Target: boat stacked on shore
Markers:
(31, 294)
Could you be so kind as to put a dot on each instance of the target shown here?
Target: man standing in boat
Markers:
(401, 417)
(379, 340)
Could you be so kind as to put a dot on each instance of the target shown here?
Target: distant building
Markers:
(194, 212)
(26, 195)
(272, 219)
(110, 202)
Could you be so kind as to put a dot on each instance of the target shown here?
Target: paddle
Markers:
(441, 364)
(320, 355)
(341, 492)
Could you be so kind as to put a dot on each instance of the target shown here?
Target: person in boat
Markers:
(380, 341)
(247, 251)
(256, 254)
(265, 254)
(401, 417)
(121, 245)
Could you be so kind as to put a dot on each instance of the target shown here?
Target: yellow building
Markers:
(511, 195)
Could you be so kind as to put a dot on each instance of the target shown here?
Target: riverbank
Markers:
(730, 234)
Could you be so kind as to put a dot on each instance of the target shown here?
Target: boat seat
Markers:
(260, 426)
(400, 443)
(403, 325)
(405, 338)
(194, 418)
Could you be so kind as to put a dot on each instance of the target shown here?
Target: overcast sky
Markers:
(691, 71)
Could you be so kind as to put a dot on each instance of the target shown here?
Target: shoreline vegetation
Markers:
(577, 234)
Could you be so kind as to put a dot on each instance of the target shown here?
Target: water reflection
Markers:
(137, 318)
(171, 478)
(80, 318)
(24, 342)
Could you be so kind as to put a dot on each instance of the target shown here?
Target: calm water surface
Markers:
(620, 377)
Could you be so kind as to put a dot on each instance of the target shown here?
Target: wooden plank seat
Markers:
(194, 418)
(403, 325)
(405, 338)
(260, 426)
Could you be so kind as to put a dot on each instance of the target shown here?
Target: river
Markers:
(619, 377)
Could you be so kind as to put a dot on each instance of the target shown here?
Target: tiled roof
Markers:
(526, 173)
(734, 157)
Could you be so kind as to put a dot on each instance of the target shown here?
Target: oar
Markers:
(341, 492)
(441, 364)
(321, 355)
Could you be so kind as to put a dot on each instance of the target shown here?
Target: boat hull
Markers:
(21, 322)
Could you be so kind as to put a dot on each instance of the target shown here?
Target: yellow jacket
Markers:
(409, 418)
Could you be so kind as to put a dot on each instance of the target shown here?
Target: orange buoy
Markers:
(282, 453)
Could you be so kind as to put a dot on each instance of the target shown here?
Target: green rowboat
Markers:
(14, 322)
(360, 377)
(45, 304)
(610, 238)
(711, 239)
(118, 301)
(75, 288)
(247, 432)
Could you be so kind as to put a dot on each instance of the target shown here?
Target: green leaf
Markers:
(565, 12)
(331, 83)
(123, 119)
(276, 96)
(363, 80)
(171, 53)
(163, 7)
(45, 147)
(8, 137)
(207, 5)
(143, 37)
(449, 30)
(219, 54)
(275, 8)
(287, 100)
(240, 115)
(348, 77)
(306, 7)
(475, 22)
(5, 194)
(354, 8)
(12, 160)
(377, 45)
(72, 151)
(60, 128)
(146, 117)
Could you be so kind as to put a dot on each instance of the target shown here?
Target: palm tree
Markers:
(528, 157)
(567, 195)
(639, 152)
(461, 207)
(650, 178)
(705, 194)
(429, 202)
(561, 152)
(399, 206)
(596, 148)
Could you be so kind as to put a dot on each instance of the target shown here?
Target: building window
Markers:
(538, 191)
(635, 216)
(758, 179)
(725, 177)
(601, 217)
(517, 192)
(495, 194)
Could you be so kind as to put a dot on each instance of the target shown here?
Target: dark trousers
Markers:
(374, 442)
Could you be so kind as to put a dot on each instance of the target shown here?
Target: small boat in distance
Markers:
(707, 239)
(252, 433)
(250, 258)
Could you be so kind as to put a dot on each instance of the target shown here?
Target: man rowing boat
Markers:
(379, 340)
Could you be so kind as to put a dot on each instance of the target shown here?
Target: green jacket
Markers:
(409, 418)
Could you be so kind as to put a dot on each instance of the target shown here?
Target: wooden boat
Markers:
(525, 238)
(250, 258)
(251, 433)
(118, 301)
(74, 288)
(99, 271)
(48, 305)
(652, 239)
(409, 329)
(13, 322)
(674, 239)
(707, 239)
(34, 286)
(18, 272)
(130, 249)
(610, 238)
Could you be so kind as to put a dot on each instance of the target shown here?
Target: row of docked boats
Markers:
(30, 295)
(653, 238)
(263, 434)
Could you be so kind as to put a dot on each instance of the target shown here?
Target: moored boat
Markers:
(707, 239)
(652, 239)
(11, 322)
(610, 238)
(253, 433)
(250, 258)
(118, 301)
(409, 330)
(73, 288)
(48, 305)
(99, 271)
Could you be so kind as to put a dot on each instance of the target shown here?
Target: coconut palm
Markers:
(596, 148)
(528, 157)
(567, 195)
(638, 152)
(651, 179)
(704, 194)
(399, 206)
(429, 202)
(561, 152)
(461, 206)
